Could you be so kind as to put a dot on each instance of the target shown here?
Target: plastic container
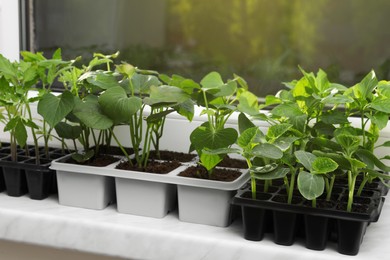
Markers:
(154, 195)
(348, 230)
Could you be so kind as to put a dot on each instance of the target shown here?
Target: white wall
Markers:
(9, 29)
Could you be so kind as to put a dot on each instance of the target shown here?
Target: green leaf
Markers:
(311, 186)
(211, 81)
(223, 151)
(117, 106)
(287, 110)
(305, 158)
(338, 158)
(186, 109)
(370, 160)
(241, 81)
(90, 114)
(17, 129)
(382, 105)
(30, 123)
(209, 161)
(263, 172)
(29, 74)
(380, 119)
(205, 137)
(55, 108)
(334, 117)
(324, 143)
(278, 130)
(267, 150)
(143, 83)
(323, 165)
(126, 69)
(20, 133)
(188, 86)
(248, 103)
(244, 123)
(166, 94)
(272, 100)
(6, 68)
(250, 136)
(68, 131)
(349, 143)
(285, 142)
(299, 122)
(386, 144)
(80, 158)
(356, 163)
(337, 99)
(364, 88)
(225, 90)
(103, 80)
(322, 129)
(11, 124)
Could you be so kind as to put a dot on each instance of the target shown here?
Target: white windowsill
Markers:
(108, 232)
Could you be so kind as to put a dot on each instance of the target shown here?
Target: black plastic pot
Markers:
(14, 176)
(25, 176)
(39, 179)
(316, 231)
(328, 221)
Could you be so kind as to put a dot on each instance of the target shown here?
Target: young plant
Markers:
(127, 104)
(311, 183)
(219, 100)
(52, 108)
(16, 80)
(80, 107)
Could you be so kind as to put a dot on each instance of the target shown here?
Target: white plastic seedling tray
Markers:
(171, 177)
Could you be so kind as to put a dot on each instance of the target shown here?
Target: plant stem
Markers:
(329, 194)
(207, 107)
(253, 187)
(266, 185)
(253, 180)
(37, 159)
(292, 184)
(359, 192)
(351, 187)
(121, 147)
(314, 203)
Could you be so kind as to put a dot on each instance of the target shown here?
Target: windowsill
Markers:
(108, 232)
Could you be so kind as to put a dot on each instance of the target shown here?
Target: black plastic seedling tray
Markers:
(269, 212)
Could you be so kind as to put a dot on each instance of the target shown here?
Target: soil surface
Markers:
(98, 161)
(218, 174)
(152, 167)
(283, 199)
(114, 150)
(172, 156)
(233, 163)
(358, 208)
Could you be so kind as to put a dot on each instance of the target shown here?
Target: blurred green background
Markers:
(263, 41)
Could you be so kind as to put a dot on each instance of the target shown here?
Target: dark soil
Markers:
(233, 163)
(357, 208)
(219, 174)
(152, 167)
(114, 150)
(260, 188)
(172, 156)
(360, 200)
(259, 195)
(321, 204)
(283, 199)
(98, 161)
